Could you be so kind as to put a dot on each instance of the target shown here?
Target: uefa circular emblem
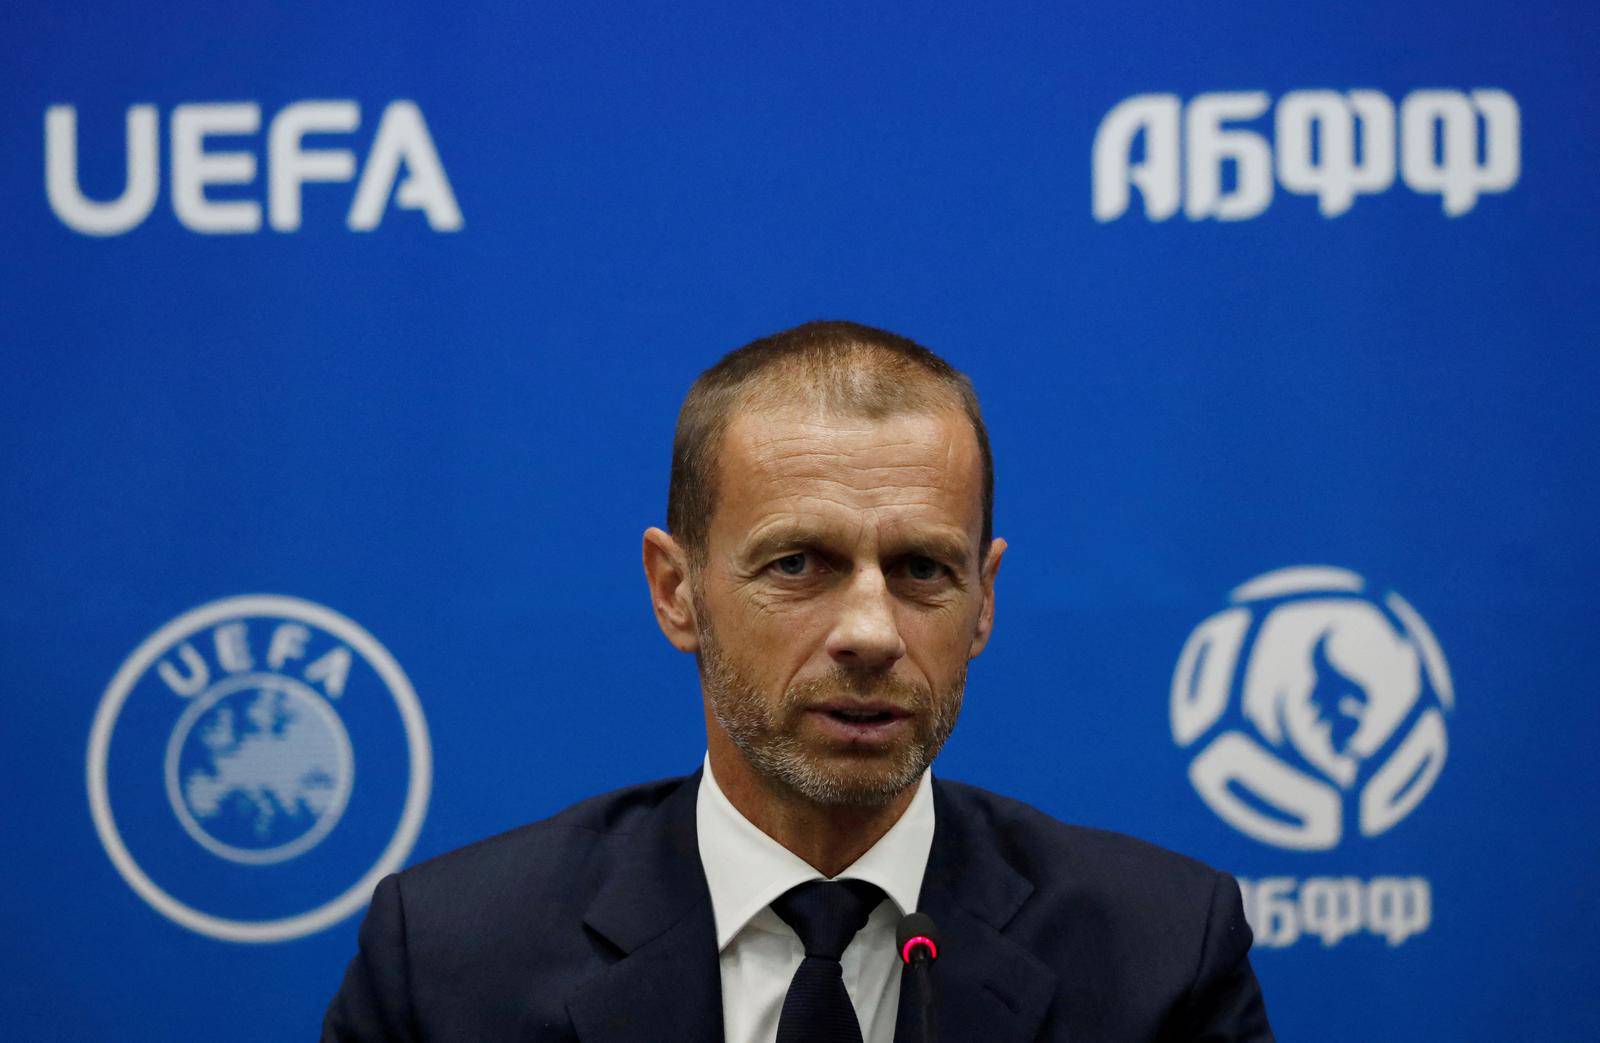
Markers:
(1315, 708)
(256, 766)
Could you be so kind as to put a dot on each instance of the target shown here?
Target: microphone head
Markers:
(917, 938)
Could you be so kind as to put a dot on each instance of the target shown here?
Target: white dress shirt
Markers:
(759, 953)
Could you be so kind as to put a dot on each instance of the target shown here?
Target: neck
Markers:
(829, 837)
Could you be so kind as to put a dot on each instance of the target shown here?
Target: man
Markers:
(831, 565)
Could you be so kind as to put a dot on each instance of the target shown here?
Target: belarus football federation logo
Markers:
(257, 766)
(1315, 708)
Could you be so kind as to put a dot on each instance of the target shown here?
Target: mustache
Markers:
(886, 688)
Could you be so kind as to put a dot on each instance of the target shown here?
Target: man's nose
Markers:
(865, 636)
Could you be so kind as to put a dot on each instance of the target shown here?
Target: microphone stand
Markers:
(918, 941)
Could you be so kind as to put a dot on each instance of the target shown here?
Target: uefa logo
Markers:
(1314, 708)
(257, 766)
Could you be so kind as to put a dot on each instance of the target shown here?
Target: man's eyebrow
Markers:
(946, 547)
(786, 537)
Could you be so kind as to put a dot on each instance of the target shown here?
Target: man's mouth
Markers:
(861, 722)
(858, 712)
(861, 716)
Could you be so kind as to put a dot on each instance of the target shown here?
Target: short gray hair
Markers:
(843, 366)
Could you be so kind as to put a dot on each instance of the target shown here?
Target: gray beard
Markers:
(764, 733)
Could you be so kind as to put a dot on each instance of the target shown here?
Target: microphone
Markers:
(918, 941)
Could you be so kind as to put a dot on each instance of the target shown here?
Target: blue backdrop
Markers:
(1243, 291)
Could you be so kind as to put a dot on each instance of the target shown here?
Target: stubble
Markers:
(769, 733)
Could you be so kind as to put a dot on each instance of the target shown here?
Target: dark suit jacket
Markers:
(596, 925)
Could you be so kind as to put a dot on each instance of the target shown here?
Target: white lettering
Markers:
(1207, 145)
(1399, 907)
(193, 168)
(1327, 144)
(1331, 170)
(1275, 911)
(290, 166)
(332, 669)
(1281, 910)
(233, 647)
(1156, 117)
(77, 211)
(1331, 908)
(401, 142)
(1439, 145)
(403, 136)
(199, 674)
(288, 642)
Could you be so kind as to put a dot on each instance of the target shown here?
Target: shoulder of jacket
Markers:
(1043, 847)
(571, 832)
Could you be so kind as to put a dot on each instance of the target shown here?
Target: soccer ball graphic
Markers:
(1314, 707)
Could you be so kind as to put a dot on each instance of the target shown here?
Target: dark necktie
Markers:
(826, 915)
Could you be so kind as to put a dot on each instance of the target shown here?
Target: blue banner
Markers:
(344, 347)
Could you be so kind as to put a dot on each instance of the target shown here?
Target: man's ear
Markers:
(666, 572)
(991, 568)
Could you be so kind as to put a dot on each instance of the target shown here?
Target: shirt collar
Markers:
(746, 869)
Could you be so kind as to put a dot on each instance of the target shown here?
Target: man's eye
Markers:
(791, 564)
(920, 568)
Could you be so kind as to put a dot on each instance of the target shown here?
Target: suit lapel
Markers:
(652, 909)
(988, 987)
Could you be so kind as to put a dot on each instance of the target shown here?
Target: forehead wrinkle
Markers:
(780, 461)
(879, 490)
(826, 444)
(772, 463)
(837, 467)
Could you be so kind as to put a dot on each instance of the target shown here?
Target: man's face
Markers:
(842, 596)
